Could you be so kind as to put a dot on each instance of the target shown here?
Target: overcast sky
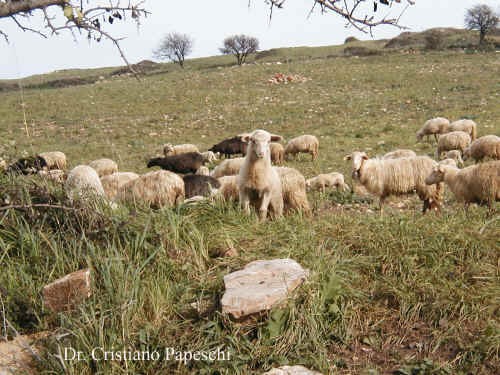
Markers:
(208, 22)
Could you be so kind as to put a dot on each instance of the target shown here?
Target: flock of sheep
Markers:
(256, 180)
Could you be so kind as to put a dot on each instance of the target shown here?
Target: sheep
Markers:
(434, 126)
(189, 162)
(396, 177)
(104, 167)
(455, 155)
(171, 150)
(83, 183)
(456, 140)
(54, 159)
(486, 146)
(112, 183)
(228, 167)
(199, 185)
(400, 153)
(231, 146)
(322, 181)
(304, 143)
(203, 171)
(155, 189)
(28, 165)
(293, 187)
(464, 125)
(209, 156)
(258, 182)
(277, 153)
(478, 183)
(56, 175)
(228, 189)
(448, 161)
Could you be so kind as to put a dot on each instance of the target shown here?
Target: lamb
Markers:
(56, 175)
(305, 143)
(258, 182)
(486, 146)
(189, 162)
(199, 185)
(464, 125)
(231, 146)
(155, 189)
(112, 183)
(455, 155)
(203, 171)
(228, 167)
(54, 159)
(104, 167)
(209, 156)
(277, 153)
(400, 153)
(83, 183)
(478, 183)
(228, 189)
(434, 126)
(170, 150)
(293, 187)
(396, 177)
(456, 140)
(322, 181)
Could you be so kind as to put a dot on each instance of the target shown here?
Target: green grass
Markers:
(399, 292)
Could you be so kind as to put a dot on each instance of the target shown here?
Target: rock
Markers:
(291, 370)
(17, 355)
(68, 291)
(260, 286)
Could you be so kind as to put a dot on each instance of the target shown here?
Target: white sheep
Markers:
(456, 140)
(83, 183)
(478, 183)
(104, 167)
(209, 156)
(434, 126)
(228, 167)
(487, 146)
(293, 188)
(155, 189)
(170, 150)
(449, 161)
(400, 153)
(277, 153)
(54, 159)
(203, 171)
(455, 155)
(228, 189)
(396, 177)
(464, 125)
(112, 183)
(56, 175)
(305, 143)
(258, 182)
(327, 180)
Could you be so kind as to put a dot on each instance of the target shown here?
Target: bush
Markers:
(360, 51)
(434, 40)
(351, 39)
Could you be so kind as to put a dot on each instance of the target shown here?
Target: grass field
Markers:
(397, 293)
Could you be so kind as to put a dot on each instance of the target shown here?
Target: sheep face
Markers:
(168, 148)
(258, 143)
(436, 176)
(358, 159)
(419, 136)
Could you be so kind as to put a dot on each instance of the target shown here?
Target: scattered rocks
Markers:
(286, 78)
(65, 293)
(291, 370)
(260, 286)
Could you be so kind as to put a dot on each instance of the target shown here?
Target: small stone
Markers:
(66, 292)
(291, 370)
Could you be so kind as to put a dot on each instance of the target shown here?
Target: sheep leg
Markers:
(427, 206)
(266, 199)
(435, 137)
(245, 202)
(381, 204)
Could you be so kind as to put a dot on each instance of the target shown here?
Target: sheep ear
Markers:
(245, 138)
(364, 156)
(276, 138)
(347, 157)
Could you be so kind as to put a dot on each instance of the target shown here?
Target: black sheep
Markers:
(183, 163)
(199, 185)
(29, 165)
(231, 146)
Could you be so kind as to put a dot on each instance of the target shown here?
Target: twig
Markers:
(481, 231)
(5, 36)
(24, 28)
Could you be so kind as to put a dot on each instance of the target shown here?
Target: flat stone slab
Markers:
(66, 292)
(17, 355)
(260, 286)
(291, 370)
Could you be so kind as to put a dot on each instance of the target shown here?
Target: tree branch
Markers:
(11, 8)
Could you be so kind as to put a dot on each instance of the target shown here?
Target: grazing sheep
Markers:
(29, 165)
(228, 167)
(231, 146)
(457, 140)
(56, 175)
(171, 150)
(258, 181)
(293, 187)
(449, 161)
(277, 153)
(478, 183)
(228, 189)
(199, 185)
(54, 159)
(486, 146)
(209, 156)
(396, 177)
(464, 125)
(112, 183)
(155, 189)
(189, 162)
(104, 167)
(400, 153)
(455, 155)
(322, 181)
(203, 171)
(308, 144)
(434, 126)
(83, 183)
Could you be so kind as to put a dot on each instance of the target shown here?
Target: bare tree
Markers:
(174, 47)
(240, 46)
(90, 18)
(482, 18)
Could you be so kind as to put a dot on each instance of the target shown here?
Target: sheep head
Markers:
(437, 175)
(258, 143)
(358, 159)
(419, 136)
